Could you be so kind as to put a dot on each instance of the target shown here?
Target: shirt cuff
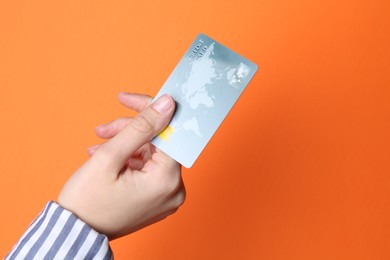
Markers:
(58, 234)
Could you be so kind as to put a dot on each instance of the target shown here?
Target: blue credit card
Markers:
(205, 84)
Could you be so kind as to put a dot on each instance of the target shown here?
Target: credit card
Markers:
(205, 84)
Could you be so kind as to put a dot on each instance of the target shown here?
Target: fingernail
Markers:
(163, 104)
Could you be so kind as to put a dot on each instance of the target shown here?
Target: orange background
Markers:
(299, 169)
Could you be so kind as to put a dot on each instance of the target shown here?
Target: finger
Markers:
(136, 102)
(112, 128)
(91, 150)
(138, 132)
(179, 197)
(161, 158)
(135, 163)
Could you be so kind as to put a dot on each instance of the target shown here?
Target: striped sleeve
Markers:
(58, 234)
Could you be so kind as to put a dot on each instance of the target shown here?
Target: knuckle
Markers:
(171, 185)
(121, 123)
(126, 121)
(142, 124)
(180, 198)
(167, 188)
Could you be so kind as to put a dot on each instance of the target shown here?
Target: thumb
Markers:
(139, 131)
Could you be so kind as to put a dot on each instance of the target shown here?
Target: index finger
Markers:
(134, 101)
(138, 132)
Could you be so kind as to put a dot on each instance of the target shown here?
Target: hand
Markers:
(127, 184)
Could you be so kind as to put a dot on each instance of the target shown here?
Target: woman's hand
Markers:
(127, 184)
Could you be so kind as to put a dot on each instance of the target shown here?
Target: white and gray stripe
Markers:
(58, 234)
